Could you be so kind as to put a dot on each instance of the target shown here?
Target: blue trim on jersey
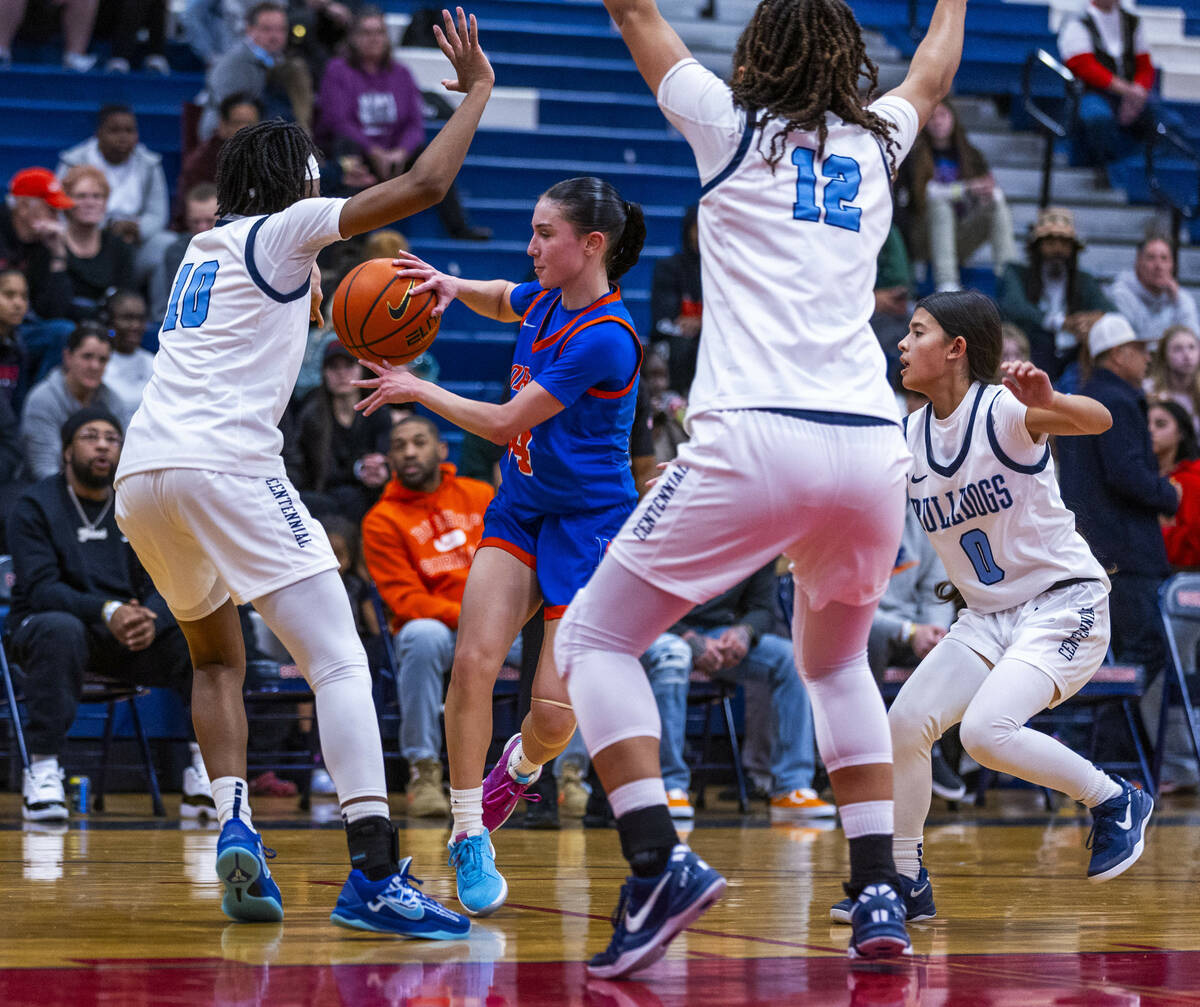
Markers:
(948, 470)
(256, 276)
(904, 424)
(738, 156)
(1028, 470)
(887, 169)
(832, 419)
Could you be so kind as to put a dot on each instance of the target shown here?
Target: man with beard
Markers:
(418, 541)
(83, 605)
(1051, 299)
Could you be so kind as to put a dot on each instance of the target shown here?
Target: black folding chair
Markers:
(1179, 604)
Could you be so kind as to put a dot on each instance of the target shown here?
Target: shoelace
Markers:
(465, 851)
(511, 790)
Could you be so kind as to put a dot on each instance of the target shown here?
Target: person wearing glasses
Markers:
(77, 383)
(82, 603)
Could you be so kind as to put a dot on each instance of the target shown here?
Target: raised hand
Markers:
(444, 285)
(1030, 384)
(461, 46)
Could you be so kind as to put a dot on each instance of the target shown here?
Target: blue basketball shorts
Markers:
(563, 549)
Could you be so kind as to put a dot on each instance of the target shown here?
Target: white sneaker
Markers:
(322, 782)
(80, 62)
(157, 64)
(678, 804)
(45, 800)
(197, 799)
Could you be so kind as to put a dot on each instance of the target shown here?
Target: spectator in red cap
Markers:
(29, 226)
(335, 456)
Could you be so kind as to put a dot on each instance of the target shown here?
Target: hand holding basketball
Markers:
(461, 47)
(378, 315)
(443, 285)
(392, 385)
(1029, 383)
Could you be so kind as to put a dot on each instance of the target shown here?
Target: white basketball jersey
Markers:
(231, 345)
(986, 493)
(787, 256)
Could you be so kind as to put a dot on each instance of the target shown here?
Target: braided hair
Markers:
(592, 204)
(263, 168)
(799, 59)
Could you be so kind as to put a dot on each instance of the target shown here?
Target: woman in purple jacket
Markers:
(370, 107)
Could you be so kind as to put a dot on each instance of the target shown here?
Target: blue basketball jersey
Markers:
(589, 360)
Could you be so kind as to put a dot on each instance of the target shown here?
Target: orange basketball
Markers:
(377, 317)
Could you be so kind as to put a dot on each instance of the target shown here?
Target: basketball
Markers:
(377, 317)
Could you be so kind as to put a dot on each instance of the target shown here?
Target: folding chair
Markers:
(1179, 604)
(711, 695)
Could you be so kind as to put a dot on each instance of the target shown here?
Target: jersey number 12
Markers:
(842, 178)
(190, 307)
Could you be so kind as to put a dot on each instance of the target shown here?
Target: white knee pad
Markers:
(848, 712)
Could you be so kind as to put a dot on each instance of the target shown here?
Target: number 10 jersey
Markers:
(986, 494)
(231, 345)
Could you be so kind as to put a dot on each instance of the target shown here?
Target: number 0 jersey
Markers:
(787, 254)
(985, 492)
(589, 360)
(231, 345)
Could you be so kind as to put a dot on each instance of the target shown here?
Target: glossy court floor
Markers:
(119, 909)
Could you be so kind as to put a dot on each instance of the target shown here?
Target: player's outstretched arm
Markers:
(936, 60)
(490, 298)
(427, 181)
(497, 423)
(1048, 411)
(653, 44)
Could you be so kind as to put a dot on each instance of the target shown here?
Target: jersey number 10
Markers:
(194, 307)
(843, 177)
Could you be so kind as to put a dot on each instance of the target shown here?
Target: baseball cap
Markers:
(1055, 222)
(81, 417)
(336, 349)
(1109, 332)
(40, 183)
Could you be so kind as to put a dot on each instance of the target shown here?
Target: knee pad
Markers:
(352, 670)
(551, 723)
(850, 719)
(612, 699)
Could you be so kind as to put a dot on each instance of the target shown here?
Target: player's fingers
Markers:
(377, 368)
(464, 30)
(473, 32)
(451, 30)
(370, 404)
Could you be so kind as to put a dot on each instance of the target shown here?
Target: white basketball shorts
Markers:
(205, 536)
(751, 485)
(1062, 632)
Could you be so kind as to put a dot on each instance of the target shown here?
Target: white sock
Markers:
(907, 854)
(231, 794)
(467, 808)
(867, 818)
(366, 809)
(197, 757)
(43, 763)
(1101, 787)
(520, 768)
(639, 794)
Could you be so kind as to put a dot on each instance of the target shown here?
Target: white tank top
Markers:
(787, 257)
(231, 345)
(986, 494)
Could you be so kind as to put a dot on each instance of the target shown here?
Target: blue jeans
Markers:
(668, 664)
(424, 654)
(1102, 140)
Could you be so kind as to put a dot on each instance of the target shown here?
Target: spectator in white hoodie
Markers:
(1149, 296)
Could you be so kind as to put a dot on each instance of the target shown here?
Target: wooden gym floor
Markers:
(120, 909)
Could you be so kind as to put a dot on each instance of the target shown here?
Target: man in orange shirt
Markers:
(418, 541)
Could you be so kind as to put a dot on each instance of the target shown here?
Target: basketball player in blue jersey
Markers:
(796, 445)
(203, 497)
(1036, 626)
(566, 489)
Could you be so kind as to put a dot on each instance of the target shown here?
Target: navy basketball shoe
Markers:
(1118, 833)
(394, 905)
(651, 911)
(877, 924)
(251, 895)
(917, 896)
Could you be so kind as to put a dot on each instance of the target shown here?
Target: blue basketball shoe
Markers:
(394, 905)
(917, 896)
(1118, 833)
(651, 911)
(877, 924)
(481, 888)
(251, 895)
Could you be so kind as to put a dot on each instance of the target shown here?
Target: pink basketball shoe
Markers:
(501, 792)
